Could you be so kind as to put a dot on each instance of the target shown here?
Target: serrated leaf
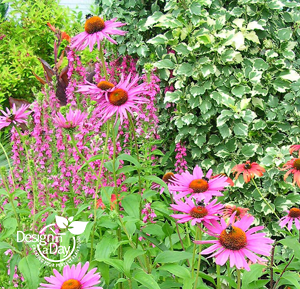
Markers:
(284, 34)
(240, 129)
(165, 63)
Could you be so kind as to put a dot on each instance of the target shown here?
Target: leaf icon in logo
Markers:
(61, 222)
(77, 227)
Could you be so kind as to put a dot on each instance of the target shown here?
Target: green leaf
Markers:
(106, 247)
(240, 129)
(224, 131)
(256, 271)
(165, 63)
(239, 90)
(195, 8)
(292, 243)
(260, 64)
(129, 257)
(172, 256)
(183, 49)
(30, 268)
(145, 279)
(4, 245)
(158, 39)
(117, 264)
(10, 226)
(185, 69)
(172, 96)
(131, 205)
(177, 270)
(157, 180)
(284, 34)
(129, 158)
(249, 150)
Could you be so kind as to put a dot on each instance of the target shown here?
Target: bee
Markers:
(229, 229)
(201, 203)
(87, 16)
(205, 179)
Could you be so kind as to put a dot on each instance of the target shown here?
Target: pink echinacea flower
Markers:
(73, 278)
(122, 99)
(235, 241)
(197, 185)
(196, 213)
(14, 116)
(72, 119)
(293, 215)
(96, 29)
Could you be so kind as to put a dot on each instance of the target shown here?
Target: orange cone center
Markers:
(297, 164)
(198, 212)
(71, 284)
(94, 24)
(294, 213)
(105, 85)
(198, 186)
(118, 97)
(234, 240)
(167, 177)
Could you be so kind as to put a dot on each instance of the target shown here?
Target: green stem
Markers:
(103, 62)
(97, 184)
(199, 256)
(31, 175)
(194, 254)
(138, 158)
(218, 277)
(238, 274)
(267, 203)
(10, 168)
(229, 274)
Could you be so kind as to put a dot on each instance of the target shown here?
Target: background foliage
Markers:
(27, 37)
(233, 66)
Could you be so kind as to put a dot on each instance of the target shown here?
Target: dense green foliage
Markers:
(27, 37)
(235, 76)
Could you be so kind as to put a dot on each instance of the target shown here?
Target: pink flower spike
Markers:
(14, 116)
(292, 216)
(196, 213)
(199, 186)
(122, 99)
(96, 29)
(235, 242)
(72, 119)
(74, 277)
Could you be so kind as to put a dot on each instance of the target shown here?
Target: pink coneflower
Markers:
(196, 213)
(96, 92)
(166, 178)
(72, 119)
(196, 184)
(96, 29)
(73, 278)
(293, 215)
(122, 99)
(235, 242)
(14, 116)
(229, 210)
(294, 148)
(293, 167)
(249, 170)
(229, 180)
